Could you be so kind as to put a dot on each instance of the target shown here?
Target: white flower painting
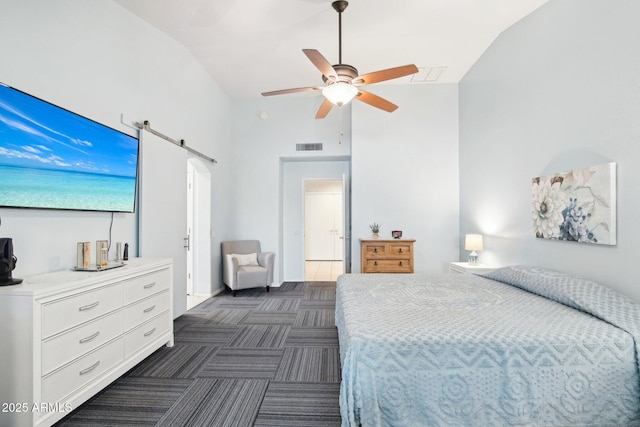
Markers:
(577, 205)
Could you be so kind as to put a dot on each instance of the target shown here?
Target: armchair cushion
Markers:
(247, 259)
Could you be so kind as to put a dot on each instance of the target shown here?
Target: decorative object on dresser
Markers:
(473, 243)
(67, 335)
(7, 262)
(386, 256)
(396, 234)
(102, 252)
(375, 229)
(465, 267)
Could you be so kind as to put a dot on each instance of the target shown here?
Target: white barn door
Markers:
(163, 209)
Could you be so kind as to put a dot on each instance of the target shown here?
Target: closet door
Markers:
(319, 227)
(163, 209)
(338, 226)
(324, 227)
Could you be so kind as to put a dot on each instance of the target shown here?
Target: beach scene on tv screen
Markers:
(52, 158)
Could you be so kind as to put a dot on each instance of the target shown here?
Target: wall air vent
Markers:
(309, 147)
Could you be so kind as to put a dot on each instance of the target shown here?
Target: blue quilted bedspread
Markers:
(528, 347)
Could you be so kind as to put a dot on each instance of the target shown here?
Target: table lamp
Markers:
(473, 243)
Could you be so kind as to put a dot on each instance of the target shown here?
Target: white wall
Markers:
(405, 171)
(558, 90)
(98, 60)
(260, 145)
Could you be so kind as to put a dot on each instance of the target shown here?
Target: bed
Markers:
(518, 346)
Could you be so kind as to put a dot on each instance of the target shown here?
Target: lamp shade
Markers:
(340, 93)
(473, 242)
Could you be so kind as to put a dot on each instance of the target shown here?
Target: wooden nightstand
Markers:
(465, 267)
(386, 256)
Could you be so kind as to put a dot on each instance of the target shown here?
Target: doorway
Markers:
(199, 232)
(324, 236)
(294, 174)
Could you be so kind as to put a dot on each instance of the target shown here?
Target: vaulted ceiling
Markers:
(253, 46)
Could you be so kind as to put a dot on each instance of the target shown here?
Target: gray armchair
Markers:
(244, 265)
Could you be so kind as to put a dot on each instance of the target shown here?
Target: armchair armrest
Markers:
(229, 271)
(267, 260)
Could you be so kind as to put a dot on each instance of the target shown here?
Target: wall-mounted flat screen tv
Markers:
(51, 158)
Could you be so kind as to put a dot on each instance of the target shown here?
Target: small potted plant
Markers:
(375, 229)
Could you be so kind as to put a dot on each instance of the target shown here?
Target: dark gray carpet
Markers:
(263, 359)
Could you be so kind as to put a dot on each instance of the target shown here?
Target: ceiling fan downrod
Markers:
(340, 6)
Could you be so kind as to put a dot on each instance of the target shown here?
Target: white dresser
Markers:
(66, 335)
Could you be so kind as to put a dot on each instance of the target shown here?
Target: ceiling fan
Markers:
(342, 82)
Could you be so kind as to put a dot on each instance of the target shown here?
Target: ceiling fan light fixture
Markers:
(340, 93)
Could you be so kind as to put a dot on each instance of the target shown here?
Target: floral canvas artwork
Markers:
(578, 205)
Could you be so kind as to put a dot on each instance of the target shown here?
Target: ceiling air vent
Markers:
(427, 74)
(309, 147)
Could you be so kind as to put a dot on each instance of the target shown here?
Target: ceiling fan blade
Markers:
(294, 90)
(382, 75)
(321, 64)
(324, 109)
(376, 101)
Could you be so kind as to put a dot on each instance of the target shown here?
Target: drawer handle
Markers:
(146, 310)
(400, 264)
(375, 262)
(89, 307)
(149, 285)
(400, 250)
(89, 338)
(146, 334)
(375, 250)
(90, 368)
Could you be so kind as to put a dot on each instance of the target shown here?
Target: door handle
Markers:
(187, 242)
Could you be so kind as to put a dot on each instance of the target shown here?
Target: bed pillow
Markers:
(246, 259)
(581, 294)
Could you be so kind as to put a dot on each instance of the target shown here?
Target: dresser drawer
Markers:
(63, 348)
(389, 266)
(146, 309)
(146, 333)
(146, 285)
(59, 384)
(374, 249)
(400, 249)
(65, 313)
